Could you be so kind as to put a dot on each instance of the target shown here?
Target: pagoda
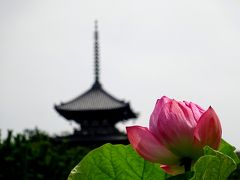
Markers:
(96, 111)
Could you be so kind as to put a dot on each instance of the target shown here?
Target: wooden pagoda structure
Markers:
(96, 112)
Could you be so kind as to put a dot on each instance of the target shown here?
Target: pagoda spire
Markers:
(96, 55)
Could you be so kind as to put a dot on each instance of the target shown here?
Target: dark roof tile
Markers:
(95, 98)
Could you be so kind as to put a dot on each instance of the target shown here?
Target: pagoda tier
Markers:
(95, 105)
(92, 141)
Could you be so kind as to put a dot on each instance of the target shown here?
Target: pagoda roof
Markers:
(96, 98)
(95, 103)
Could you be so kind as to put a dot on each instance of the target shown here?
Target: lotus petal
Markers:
(208, 130)
(149, 147)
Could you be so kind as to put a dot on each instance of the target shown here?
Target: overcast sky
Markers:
(184, 49)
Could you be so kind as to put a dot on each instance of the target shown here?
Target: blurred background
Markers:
(185, 50)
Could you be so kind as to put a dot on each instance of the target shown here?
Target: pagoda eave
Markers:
(93, 141)
(114, 115)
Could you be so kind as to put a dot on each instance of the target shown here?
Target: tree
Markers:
(33, 155)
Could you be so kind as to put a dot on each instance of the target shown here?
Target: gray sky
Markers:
(187, 50)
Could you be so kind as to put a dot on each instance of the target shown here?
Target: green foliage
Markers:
(32, 155)
(122, 162)
(229, 150)
(213, 165)
(184, 176)
(117, 162)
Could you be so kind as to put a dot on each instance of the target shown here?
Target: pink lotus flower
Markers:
(178, 131)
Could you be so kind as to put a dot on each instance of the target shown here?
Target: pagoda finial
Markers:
(96, 53)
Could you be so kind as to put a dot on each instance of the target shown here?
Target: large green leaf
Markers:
(184, 176)
(117, 162)
(213, 165)
(228, 149)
